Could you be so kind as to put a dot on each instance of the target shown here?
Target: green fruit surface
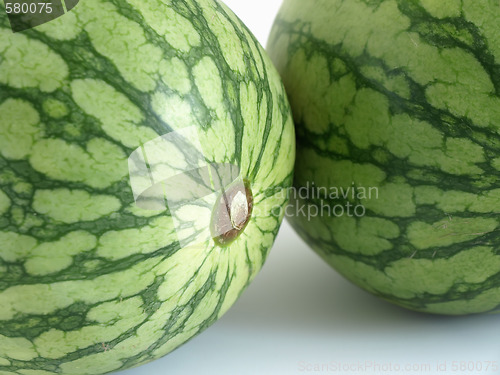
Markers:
(402, 97)
(89, 281)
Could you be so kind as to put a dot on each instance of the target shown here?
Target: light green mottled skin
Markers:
(89, 282)
(403, 96)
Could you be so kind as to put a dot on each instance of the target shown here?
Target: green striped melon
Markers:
(397, 112)
(145, 151)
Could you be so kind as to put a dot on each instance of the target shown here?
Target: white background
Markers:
(299, 314)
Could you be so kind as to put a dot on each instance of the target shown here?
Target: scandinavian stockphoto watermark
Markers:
(213, 200)
(462, 366)
(310, 200)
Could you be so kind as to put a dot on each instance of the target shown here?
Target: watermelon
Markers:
(397, 112)
(146, 148)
